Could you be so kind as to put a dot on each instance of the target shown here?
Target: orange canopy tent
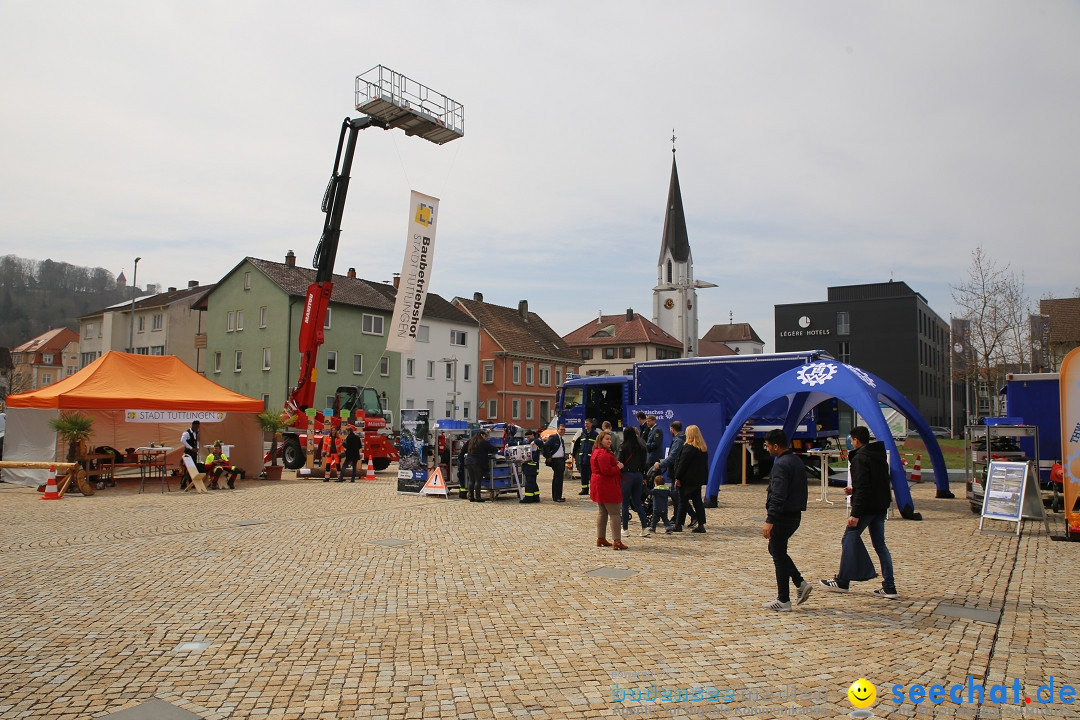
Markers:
(134, 400)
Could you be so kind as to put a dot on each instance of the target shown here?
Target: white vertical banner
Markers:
(415, 273)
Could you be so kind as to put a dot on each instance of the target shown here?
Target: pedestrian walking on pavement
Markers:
(605, 489)
(784, 506)
(871, 494)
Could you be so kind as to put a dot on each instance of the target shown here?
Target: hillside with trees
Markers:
(38, 295)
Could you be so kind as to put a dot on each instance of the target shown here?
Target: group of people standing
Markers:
(339, 452)
(618, 482)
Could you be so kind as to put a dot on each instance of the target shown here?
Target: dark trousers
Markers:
(532, 490)
(585, 469)
(690, 502)
(345, 466)
(851, 537)
(558, 467)
(782, 530)
(633, 488)
(476, 477)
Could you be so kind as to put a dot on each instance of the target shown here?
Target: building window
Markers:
(358, 364)
(157, 321)
(266, 401)
(157, 349)
(326, 322)
(493, 407)
(247, 281)
(843, 352)
(384, 366)
(465, 410)
(449, 408)
(266, 358)
(262, 316)
(517, 374)
(489, 372)
(529, 374)
(545, 376)
(449, 371)
(372, 325)
(545, 410)
(239, 356)
(410, 367)
(627, 353)
(422, 333)
(230, 321)
(515, 409)
(142, 351)
(329, 402)
(558, 377)
(609, 353)
(458, 337)
(843, 323)
(410, 403)
(46, 378)
(528, 409)
(430, 369)
(47, 359)
(141, 323)
(466, 373)
(88, 330)
(669, 272)
(586, 353)
(331, 361)
(217, 362)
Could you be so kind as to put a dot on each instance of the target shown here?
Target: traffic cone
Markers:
(51, 492)
(370, 471)
(916, 473)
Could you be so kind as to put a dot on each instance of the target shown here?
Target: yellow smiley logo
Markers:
(862, 693)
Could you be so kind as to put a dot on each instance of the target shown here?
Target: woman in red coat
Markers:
(605, 489)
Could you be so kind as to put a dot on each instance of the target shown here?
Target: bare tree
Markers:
(989, 300)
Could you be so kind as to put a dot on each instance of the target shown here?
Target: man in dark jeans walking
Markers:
(871, 493)
(784, 506)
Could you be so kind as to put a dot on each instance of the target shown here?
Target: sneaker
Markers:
(668, 530)
(882, 593)
(777, 605)
(693, 524)
(833, 586)
(645, 532)
(803, 592)
(699, 529)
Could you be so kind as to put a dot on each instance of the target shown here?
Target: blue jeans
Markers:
(633, 487)
(876, 524)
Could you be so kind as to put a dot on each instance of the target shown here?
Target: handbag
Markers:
(855, 562)
(547, 461)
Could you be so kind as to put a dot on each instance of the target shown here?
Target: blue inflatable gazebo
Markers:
(807, 386)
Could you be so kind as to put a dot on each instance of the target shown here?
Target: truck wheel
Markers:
(380, 463)
(292, 455)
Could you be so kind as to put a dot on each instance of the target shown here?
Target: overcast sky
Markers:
(819, 144)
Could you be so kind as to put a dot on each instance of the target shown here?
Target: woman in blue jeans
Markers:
(632, 456)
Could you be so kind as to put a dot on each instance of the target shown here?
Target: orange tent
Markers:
(134, 400)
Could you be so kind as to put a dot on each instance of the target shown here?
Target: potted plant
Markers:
(74, 427)
(273, 422)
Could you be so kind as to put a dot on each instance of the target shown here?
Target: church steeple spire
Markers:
(675, 239)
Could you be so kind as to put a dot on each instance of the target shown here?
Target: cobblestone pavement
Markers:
(303, 599)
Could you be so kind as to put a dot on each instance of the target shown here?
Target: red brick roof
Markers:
(617, 330)
(708, 348)
(1064, 318)
(517, 332)
(732, 332)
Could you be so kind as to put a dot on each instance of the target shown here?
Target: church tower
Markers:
(675, 294)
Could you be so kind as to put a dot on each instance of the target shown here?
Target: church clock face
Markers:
(669, 303)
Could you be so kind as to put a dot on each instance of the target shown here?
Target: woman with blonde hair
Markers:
(605, 489)
(691, 473)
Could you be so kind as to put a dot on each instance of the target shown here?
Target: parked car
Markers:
(940, 432)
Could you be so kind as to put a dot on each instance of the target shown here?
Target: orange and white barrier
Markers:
(370, 471)
(51, 493)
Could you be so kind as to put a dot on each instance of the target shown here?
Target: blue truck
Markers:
(703, 391)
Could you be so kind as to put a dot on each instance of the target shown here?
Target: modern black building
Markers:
(886, 329)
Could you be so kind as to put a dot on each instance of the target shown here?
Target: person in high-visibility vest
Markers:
(530, 469)
(217, 464)
(332, 447)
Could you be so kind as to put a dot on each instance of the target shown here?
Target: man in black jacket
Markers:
(555, 451)
(871, 493)
(784, 506)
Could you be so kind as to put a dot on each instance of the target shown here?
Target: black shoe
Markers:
(560, 499)
(584, 492)
(693, 524)
(699, 529)
(480, 500)
(341, 480)
(231, 485)
(677, 528)
(326, 479)
(351, 480)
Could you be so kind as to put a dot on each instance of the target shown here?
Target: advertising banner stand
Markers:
(1012, 494)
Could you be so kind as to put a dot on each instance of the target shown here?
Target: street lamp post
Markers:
(134, 291)
(453, 406)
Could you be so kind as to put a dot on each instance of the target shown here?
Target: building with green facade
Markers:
(253, 318)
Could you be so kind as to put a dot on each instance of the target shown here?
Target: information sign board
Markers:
(1012, 494)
